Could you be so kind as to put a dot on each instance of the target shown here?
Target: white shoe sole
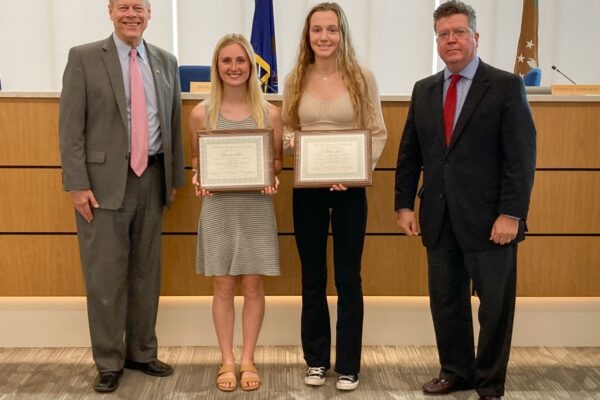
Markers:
(346, 386)
(314, 381)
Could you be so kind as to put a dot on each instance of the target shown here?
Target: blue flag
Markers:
(263, 42)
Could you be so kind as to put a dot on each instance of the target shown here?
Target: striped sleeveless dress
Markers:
(237, 232)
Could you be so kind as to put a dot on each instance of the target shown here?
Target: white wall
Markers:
(35, 37)
(389, 35)
(570, 30)
(392, 37)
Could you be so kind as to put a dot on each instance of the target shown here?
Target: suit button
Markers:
(442, 196)
(127, 156)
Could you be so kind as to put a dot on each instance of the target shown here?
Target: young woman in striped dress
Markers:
(237, 232)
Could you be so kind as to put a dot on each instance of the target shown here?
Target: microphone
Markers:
(560, 72)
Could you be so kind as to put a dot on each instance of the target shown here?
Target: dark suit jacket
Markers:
(486, 170)
(93, 124)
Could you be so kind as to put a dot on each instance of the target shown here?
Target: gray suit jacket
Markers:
(93, 124)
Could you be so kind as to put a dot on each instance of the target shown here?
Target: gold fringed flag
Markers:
(527, 50)
(263, 42)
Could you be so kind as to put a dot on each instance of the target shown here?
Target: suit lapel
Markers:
(436, 95)
(156, 67)
(479, 87)
(113, 67)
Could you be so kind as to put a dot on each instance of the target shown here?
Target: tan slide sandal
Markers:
(249, 379)
(226, 382)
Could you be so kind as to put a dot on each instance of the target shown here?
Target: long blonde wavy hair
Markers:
(256, 101)
(352, 75)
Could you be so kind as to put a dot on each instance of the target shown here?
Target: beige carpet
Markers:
(388, 372)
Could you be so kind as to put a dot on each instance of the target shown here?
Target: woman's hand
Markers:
(288, 141)
(199, 192)
(338, 188)
(271, 190)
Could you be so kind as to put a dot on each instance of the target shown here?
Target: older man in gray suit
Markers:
(122, 158)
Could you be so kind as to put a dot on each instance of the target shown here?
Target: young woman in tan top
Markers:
(328, 89)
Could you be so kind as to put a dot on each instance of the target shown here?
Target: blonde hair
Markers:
(352, 74)
(256, 101)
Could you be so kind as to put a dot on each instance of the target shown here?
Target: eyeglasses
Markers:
(459, 33)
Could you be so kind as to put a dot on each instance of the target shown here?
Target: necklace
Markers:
(327, 75)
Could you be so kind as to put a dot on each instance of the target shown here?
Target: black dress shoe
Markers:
(440, 386)
(154, 368)
(107, 381)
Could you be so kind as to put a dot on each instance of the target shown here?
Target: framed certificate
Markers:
(234, 160)
(324, 158)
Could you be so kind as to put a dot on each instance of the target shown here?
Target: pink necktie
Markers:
(450, 108)
(139, 120)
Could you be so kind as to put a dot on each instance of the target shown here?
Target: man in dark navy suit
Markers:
(470, 129)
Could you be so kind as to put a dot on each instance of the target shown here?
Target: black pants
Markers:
(313, 209)
(493, 274)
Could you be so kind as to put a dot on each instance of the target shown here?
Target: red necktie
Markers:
(450, 107)
(139, 119)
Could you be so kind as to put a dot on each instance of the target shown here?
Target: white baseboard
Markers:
(187, 321)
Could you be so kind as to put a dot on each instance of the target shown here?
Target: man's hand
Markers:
(505, 230)
(173, 195)
(407, 221)
(84, 201)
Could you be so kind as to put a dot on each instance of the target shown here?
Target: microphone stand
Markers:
(560, 72)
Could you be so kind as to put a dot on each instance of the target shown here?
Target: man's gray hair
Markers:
(146, 2)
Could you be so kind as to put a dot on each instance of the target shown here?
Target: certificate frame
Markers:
(234, 160)
(323, 158)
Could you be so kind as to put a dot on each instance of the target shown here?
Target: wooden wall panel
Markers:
(565, 202)
(568, 134)
(556, 205)
(29, 131)
(283, 202)
(183, 214)
(183, 217)
(186, 108)
(40, 265)
(179, 277)
(557, 201)
(394, 264)
(49, 265)
(382, 216)
(32, 200)
(559, 258)
(394, 115)
(559, 266)
(562, 202)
